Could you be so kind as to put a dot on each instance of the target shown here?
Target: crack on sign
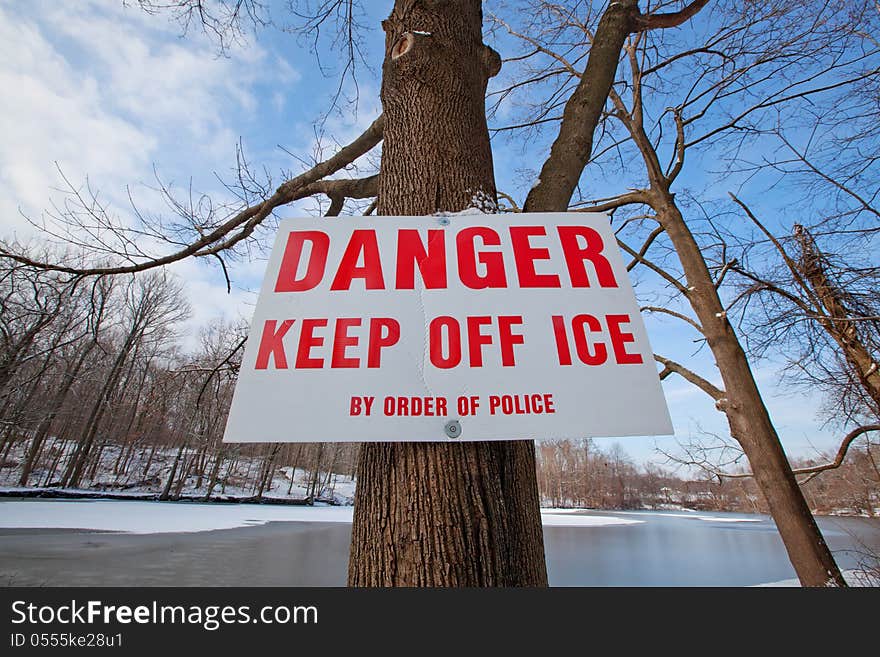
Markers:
(458, 386)
(420, 286)
(425, 342)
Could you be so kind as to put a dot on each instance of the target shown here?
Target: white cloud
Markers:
(50, 114)
(107, 92)
(161, 82)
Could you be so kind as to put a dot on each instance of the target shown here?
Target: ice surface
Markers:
(157, 517)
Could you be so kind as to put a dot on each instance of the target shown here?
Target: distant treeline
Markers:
(579, 474)
(96, 392)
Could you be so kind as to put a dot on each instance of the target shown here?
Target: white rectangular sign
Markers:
(462, 327)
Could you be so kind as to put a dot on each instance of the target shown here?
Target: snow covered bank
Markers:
(129, 495)
(139, 517)
(853, 577)
(235, 479)
(697, 516)
(552, 518)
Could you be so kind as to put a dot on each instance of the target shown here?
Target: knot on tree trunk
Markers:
(403, 45)
(724, 405)
(491, 61)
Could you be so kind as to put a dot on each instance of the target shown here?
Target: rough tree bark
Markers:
(438, 514)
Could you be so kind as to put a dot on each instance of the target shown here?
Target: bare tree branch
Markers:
(812, 471)
(647, 245)
(665, 275)
(223, 237)
(671, 367)
(841, 452)
(636, 196)
(672, 313)
(672, 19)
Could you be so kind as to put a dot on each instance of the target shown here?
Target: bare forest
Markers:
(99, 397)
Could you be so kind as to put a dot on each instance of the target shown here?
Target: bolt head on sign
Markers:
(461, 327)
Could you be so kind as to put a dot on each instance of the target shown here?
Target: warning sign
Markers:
(463, 327)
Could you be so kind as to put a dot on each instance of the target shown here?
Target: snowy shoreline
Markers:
(138, 516)
(91, 494)
(55, 493)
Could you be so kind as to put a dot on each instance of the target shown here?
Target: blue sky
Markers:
(107, 93)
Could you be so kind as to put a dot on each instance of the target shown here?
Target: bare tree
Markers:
(738, 73)
(83, 346)
(151, 305)
(827, 311)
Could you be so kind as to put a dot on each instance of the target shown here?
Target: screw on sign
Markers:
(453, 429)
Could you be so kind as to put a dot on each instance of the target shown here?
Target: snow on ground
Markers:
(550, 518)
(857, 578)
(696, 516)
(138, 517)
(690, 514)
(148, 472)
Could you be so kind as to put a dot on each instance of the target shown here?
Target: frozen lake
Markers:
(135, 543)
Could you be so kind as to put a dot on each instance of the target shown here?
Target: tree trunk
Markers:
(59, 447)
(215, 471)
(749, 420)
(437, 514)
(166, 491)
(149, 460)
(841, 324)
(77, 463)
(268, 471)
(311, 492)
(293, 468)
(574, 144)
